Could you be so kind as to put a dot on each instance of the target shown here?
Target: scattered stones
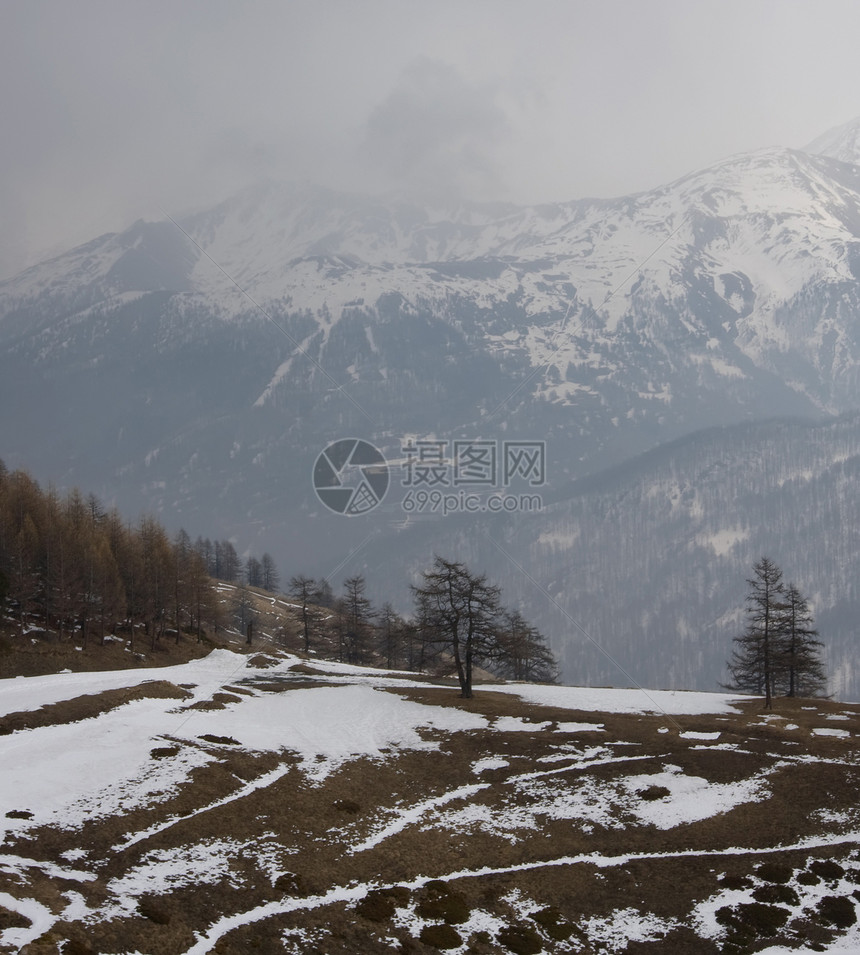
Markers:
(153, 909)
(443, 904)
(776, 894)
(774, 872)
(553, 923)
(827, 869)
(291, 884)
(808, 878)
(749, 920)
(736, 882)
(348, 806)
(379, 904)
(162, 752)
(652, 793)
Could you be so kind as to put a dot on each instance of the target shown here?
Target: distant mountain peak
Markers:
(840, 142)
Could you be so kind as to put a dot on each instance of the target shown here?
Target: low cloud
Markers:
(435, 134)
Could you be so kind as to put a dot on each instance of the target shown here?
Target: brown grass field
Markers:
(538, 830)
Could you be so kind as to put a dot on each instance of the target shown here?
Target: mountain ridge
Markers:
(205, 378)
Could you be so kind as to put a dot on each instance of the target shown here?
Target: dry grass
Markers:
(294, 840)
(39, 653)
(89, 706)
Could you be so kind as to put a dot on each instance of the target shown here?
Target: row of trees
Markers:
(349, 628)
(68, 562)
(458, 622)
(70, 566)
(779, 652)
(223, 563)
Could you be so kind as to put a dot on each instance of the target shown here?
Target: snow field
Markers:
(67, 774)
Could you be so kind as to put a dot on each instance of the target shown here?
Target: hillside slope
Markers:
(236, 341)
(259, 803)
(196, 368)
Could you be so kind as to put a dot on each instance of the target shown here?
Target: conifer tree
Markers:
(391, 636)
(270, 579)
(753, 664)
(802, 671)
(458, 610)
(305, 589)
(522, 651)
(253, 572)
(357, 615)
(779, 650)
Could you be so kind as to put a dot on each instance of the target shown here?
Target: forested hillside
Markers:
(197, 368)
(72, 572)
(70, 564)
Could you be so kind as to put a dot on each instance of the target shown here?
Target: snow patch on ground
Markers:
(580, 728)
(690, 798)
(25, 693)
(612, 700)
(205, 863)
(612, 934)
(67, 773)
(327, 726)
(40, 917)
(417, 814)
(516, 724)
(93, 768)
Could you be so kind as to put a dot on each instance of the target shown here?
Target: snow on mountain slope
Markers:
(752, 258)
(140, 367)
(148, 256)
(258, 237)
(841, 142)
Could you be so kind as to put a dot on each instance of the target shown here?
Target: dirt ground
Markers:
(493, 862)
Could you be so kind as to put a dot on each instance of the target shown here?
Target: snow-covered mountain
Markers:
(841, 142)
(196, 367)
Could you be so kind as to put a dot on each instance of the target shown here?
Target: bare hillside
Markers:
(266, 803)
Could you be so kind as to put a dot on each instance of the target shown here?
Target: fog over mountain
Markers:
(689, 356)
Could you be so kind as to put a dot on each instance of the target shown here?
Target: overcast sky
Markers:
(112, 110)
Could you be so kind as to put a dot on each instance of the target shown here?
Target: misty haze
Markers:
(429, 445)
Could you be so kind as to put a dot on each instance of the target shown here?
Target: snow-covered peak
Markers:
(264, 231)
(841, 142)
(146, 257)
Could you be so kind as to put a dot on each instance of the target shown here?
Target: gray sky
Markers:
(112, 109)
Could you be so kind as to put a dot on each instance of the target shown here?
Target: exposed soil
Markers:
(493, 859)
